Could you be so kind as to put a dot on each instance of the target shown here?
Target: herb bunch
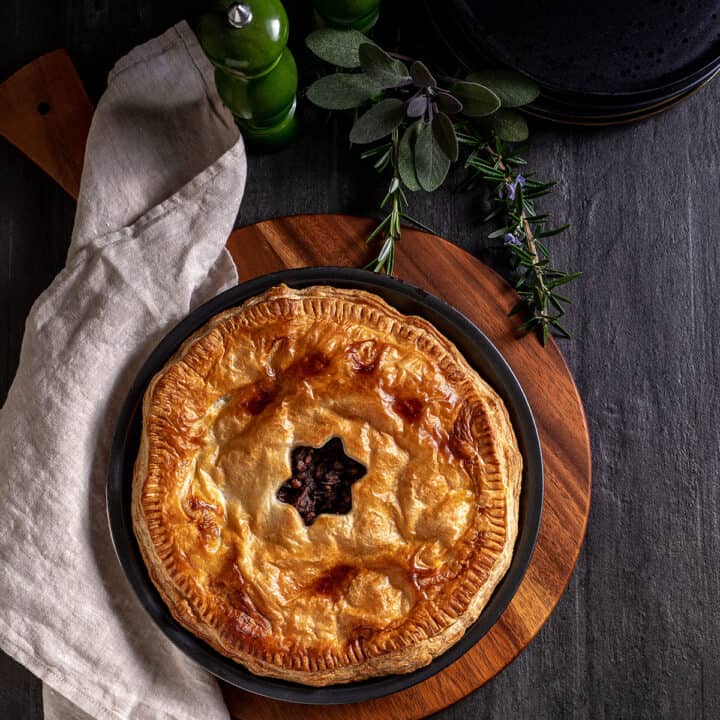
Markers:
(416, 123)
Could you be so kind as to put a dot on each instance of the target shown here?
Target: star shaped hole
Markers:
(321, 480)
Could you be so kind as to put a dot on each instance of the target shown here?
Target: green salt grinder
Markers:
(255, 73)
(347, 14)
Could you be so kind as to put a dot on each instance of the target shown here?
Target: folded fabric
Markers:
(163, 178)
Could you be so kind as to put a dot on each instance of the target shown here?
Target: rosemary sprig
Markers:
(389, 228)
(522, 229)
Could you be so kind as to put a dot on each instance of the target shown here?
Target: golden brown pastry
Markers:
(325, 490)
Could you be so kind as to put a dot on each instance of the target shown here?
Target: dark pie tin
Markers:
(480, 353)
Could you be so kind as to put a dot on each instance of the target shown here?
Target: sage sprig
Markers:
(417, 123)
(400, 97)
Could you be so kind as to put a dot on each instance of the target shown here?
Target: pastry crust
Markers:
(382, 589)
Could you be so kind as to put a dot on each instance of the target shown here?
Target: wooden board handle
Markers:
(46, 113)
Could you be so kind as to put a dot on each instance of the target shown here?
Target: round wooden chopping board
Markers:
(483, 296)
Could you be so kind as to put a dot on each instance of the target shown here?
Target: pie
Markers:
(325, 490)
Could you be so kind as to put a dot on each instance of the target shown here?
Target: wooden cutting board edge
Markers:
(311, 240)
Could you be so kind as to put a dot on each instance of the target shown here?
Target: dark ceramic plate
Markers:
(593, 119)
(480, 353)
(590, 58)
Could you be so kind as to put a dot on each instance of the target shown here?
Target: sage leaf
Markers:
(380, 120)
(384, 68)
(337, 47)
(447, 103)
(406, 158)
(431, 163)
(511, 87)
(477, 100)
(510, 125)
(417, 106)
(444, 133)
(342, 91)
(421, 75)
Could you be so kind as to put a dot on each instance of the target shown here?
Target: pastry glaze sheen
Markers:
(382, 589)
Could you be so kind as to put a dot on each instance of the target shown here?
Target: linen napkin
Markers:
(164, 175)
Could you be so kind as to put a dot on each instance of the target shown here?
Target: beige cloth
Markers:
(164, 175)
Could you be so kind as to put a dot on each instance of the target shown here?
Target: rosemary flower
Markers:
(511, 187)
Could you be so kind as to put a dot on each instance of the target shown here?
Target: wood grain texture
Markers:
(46, 113)
(636, 634)
(20, 692)
(483, 296)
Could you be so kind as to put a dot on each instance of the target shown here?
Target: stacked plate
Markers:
(597, 63)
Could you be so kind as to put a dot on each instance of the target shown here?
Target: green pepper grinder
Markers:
(347, 14)
(255, 73)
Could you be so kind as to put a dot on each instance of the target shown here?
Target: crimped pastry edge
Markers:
(403, 660)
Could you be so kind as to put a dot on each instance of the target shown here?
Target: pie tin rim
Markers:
(408, 299)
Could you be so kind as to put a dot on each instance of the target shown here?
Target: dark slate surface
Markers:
(636, 634)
